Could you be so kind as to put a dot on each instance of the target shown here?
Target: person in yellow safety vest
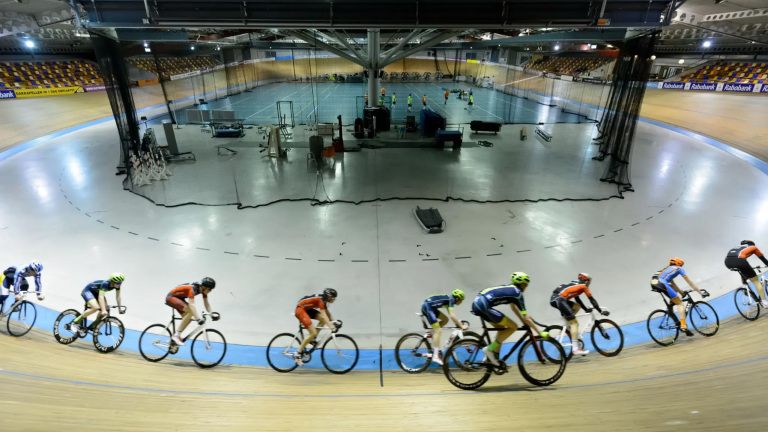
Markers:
(424, 100)
(383, 92)
(409, 102)
(471, 101)
(447, 93)
(366, 98)
(393, 100)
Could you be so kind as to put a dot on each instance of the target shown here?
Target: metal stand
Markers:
(282, 118)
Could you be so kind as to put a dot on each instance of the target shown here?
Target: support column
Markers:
(374, 90)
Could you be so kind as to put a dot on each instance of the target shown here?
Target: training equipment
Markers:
(431, 122)
(676, 261)
(430, 220)
(519, 278)
(453, 136)
(483, 126)
(208, 283)
(459, 294)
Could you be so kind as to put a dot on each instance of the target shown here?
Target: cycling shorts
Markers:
(432, 315)
(305, 316)
(564, 305)
(8, 284)
(88, 295)
(176, 303)
(742, 265)
(481, 309)
(664, 288)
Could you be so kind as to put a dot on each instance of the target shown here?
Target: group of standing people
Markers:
(409, 100)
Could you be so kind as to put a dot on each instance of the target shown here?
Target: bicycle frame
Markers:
(456, 334)
(318, 341)
(584, 328)
(528, 335)
(14, 304)
(200, 327)
(763, 282)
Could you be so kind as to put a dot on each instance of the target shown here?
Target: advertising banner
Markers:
(7, 94)
(673, 85)
(26, 93)
(92, 88)
(704, 86)
(764, 89)
(741, 88)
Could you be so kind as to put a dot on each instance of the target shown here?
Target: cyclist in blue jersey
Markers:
(484, 304)
(436, 319)
(662, 281)
(16, 278)
(94, 296)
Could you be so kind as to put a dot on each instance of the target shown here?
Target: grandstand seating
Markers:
(573, 66)
(731, 73)
(173, 65)
(48, 74)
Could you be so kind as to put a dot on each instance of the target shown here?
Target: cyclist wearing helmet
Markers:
(737, 260)
(94, 296)
(561, 300)
(483, 306)
(16, 277)
(431, 311)
(662, 282)
(182, 298)
(315, 307)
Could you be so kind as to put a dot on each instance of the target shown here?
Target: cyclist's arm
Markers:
(192, 308)
(525, 318)
(328, 313)
(692, 285)
(594, 302)
(324, 313)
(455, 320)
(207, 305)
(118, 298)
(102, 302)
(583, 306)
(38, 283)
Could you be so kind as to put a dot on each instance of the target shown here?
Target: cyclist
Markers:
(737, 260)
(436, 319)
(94, 296)
(313, 307)
(16, 277)
(561, 300)
(483, 307)
(182, 298)
(662, 281)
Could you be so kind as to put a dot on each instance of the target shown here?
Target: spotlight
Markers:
(557, 47)
(653, 57)
(707, 44)
(29, 44)
(681, 61)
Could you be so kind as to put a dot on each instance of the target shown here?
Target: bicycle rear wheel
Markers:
(747, 303)
(662, 327)
(555, 332)
(22, 318)
(209, 348)
(280, 352)
(541, 362)
(413, 353)
(108, 335)
(704, 319)
(464, 364)
(155, 342)
(607, 338)
(61, 331)
(340, 354)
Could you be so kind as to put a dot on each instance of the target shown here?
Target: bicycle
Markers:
(749, 305)
(108, 332)
(606, 335)
(540, 361)
(281, 348)
(155, 342)
(21, 316)
(416, 355)
(664, 327)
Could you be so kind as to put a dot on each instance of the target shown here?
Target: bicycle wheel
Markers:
(155, 342)
(704, 319)
(747, 303)
(413, 353)
(464, 364)
(607, 338)
(21, 318)
(340, 354)
(280, 352)
(556, 332)
(108, 334)
(61, 331)
(662, 327)
(209, 348)
(461, 355)
(541, 362)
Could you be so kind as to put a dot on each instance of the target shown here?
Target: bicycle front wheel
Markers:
(607, 338)
(747, 303)
(541, 362)
(61, 331)
(340, 354)
(155, 342)
(108, 335)
(209, 348)
(280, 352)
(464, 364)
(413, 353)
(662, 327)
(704, 319)
(21, 318)
(563, 337)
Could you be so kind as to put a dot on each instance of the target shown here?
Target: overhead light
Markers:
(707, 44)
(681, 61)
(192, 48)
(557, 47)
(609, 46)
(593, 46)
(653, 57)
(146, 44)
(29, 44)
(146, 49)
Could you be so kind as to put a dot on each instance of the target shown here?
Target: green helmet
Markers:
(520, 278)
(117, 278)
(459, 294)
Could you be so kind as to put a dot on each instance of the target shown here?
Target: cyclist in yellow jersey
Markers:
(436, 319)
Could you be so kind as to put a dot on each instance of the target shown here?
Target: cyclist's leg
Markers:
(304, 318)
(4, 292)
(674, 295)
(183, 310)
(91, 301)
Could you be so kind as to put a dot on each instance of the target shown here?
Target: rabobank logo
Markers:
(746, 88)
(674, 86)
(700, 86)
(7, 94)
(764, 89)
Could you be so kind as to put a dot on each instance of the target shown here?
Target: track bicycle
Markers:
(21, 315)
(208, 345)
(664, 326)
(108, 331)
(413, 351)
(338, 352)
(607, 337)
(541, 361)
(746, 298)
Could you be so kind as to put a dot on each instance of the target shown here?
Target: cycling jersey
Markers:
(746, 251)
(186, 291)
(438, 301)
(92, 290)
(17, 277)
(570, 290)
(661, 279)
(736, 259)
(504, 294)
(311, 302)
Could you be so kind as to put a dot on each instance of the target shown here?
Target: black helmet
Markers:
(329, 293)
(208, 283)
(748, 242)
